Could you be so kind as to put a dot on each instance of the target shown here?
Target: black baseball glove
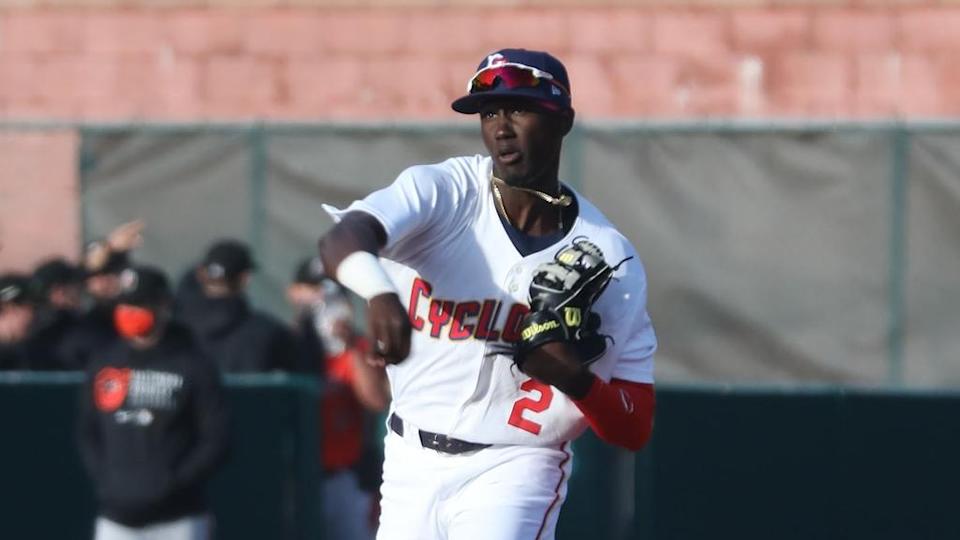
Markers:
(562, 294)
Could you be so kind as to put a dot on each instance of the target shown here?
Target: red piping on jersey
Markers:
(556, 497)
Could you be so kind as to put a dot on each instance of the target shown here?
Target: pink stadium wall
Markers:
(39, 215)
(305, 60)
(777, 59)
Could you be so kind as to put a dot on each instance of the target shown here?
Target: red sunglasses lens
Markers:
(511, 76)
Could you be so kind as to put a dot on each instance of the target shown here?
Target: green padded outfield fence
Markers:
(724, 462)
(267, 489)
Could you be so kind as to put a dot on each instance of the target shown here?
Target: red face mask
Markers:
(133, 321)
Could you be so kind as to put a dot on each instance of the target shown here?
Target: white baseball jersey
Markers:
(465, 286)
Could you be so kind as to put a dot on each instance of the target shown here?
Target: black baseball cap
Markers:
(310, 271)
(144, 286)
(55, 272)
(227, 259)
(14, 289)
(549, 85)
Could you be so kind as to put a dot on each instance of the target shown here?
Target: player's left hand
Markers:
(559, 365)
(562, 294)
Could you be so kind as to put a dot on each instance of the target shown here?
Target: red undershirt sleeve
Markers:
(620, 412)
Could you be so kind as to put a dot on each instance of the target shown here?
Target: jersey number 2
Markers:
(529, 404)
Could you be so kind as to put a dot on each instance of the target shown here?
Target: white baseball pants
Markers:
(498, 493)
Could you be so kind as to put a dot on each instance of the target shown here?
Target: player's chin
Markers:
(516, 176)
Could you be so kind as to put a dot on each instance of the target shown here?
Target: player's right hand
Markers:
(388, 327)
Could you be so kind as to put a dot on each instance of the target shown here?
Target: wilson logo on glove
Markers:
(531, 331)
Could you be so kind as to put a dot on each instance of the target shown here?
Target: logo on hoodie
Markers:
(135, 388)
(110, 388)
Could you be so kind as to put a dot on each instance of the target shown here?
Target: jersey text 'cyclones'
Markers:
(466, 319)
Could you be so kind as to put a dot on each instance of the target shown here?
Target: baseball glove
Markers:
(562, 294)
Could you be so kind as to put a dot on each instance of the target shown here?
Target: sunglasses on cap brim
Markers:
(512, 76)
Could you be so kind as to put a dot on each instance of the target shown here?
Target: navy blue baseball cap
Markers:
(517, 73)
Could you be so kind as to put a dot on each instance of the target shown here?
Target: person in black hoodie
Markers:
(57, 286)
(152, 427)
(16, 318)
(94, 330)
(212, 301)
(103, 261)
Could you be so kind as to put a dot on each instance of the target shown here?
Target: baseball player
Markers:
(510, 312)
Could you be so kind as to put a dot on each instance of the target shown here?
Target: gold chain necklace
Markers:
(563, 199)
(560, 202)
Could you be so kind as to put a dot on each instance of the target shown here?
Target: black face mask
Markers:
(102, 309)
(218, 315)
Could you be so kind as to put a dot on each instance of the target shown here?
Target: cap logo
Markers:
(9, 293)
(495, 59)
(216, 271)
(129, 279)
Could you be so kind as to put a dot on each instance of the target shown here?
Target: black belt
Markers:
(436, 441)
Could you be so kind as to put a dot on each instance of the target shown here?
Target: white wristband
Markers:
(362, 273)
